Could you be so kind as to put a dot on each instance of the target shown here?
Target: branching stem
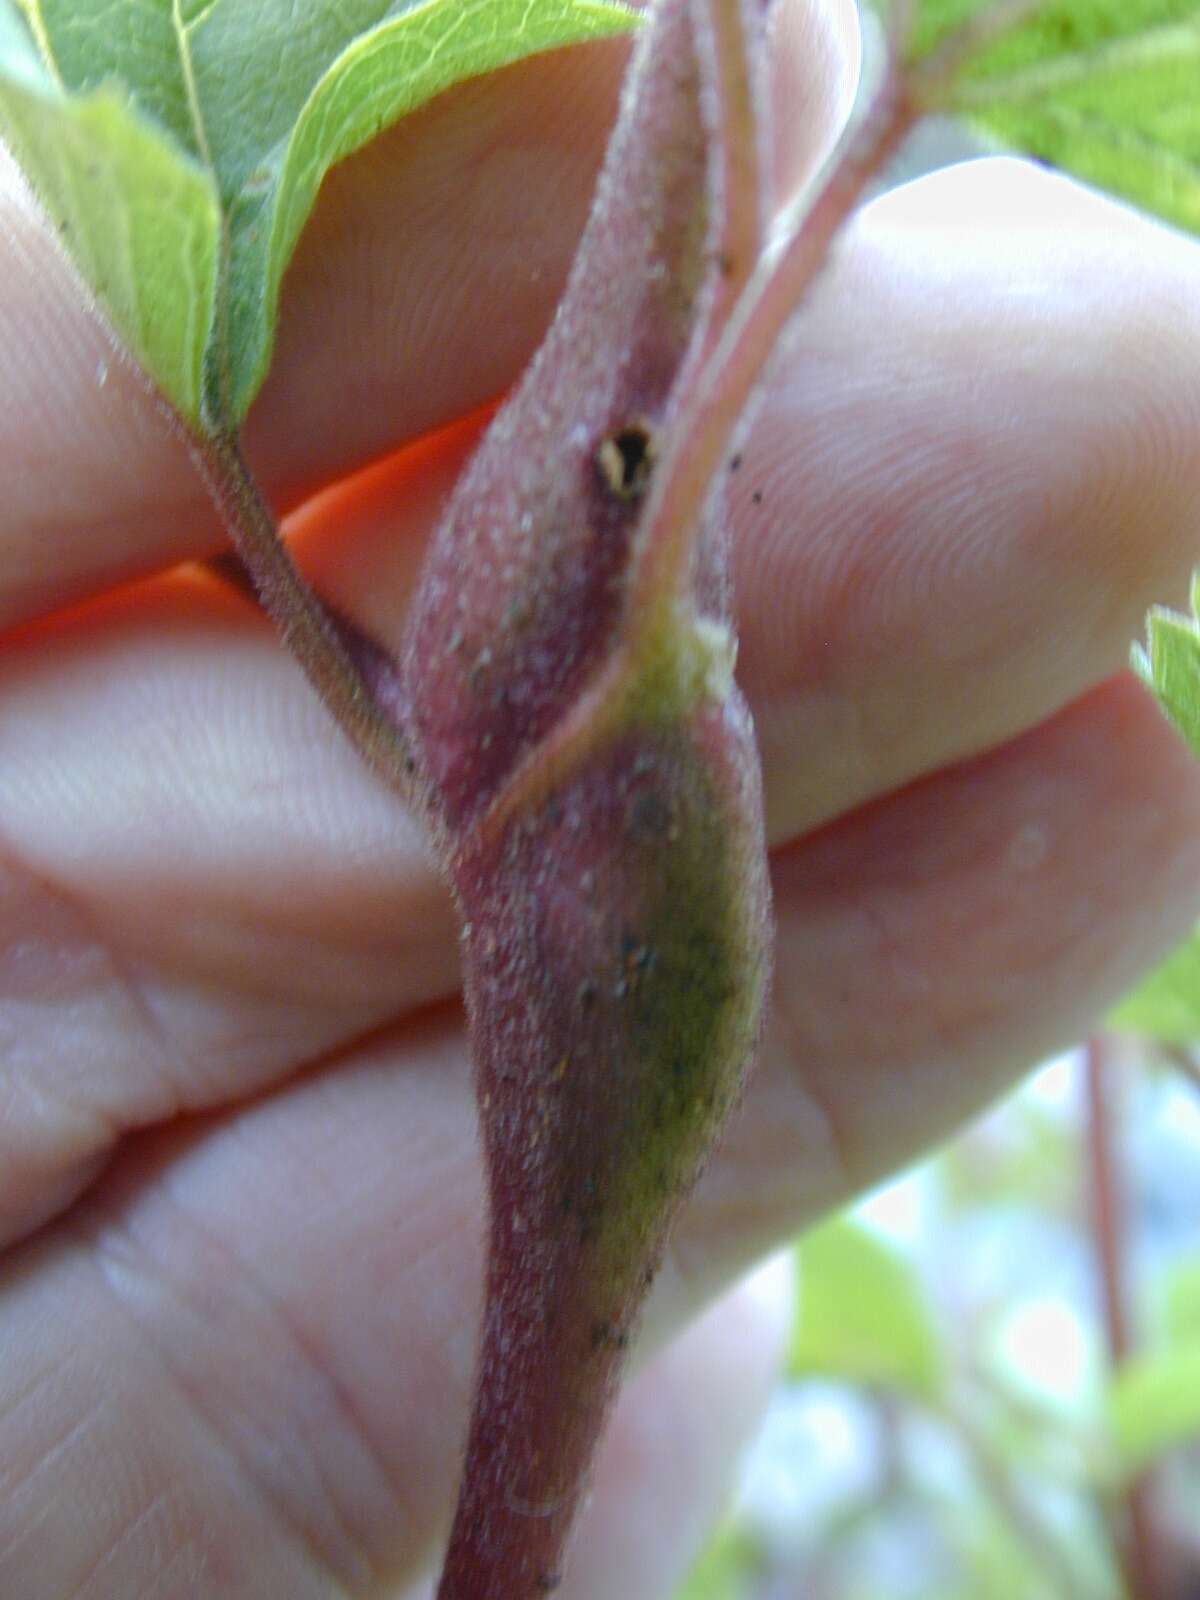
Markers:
(656, 604)
(783, 277)
(765, 284)
(934, 78)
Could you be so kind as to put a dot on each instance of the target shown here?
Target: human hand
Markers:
(239, 1188)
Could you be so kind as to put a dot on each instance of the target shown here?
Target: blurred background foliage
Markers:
(993, 1383)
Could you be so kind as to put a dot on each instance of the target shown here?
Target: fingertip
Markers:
(976, 461)
(815, 63)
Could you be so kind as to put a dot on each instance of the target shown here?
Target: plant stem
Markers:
(738, 138)
(660, 566)
(657, 606)
(784, 275)
(1135, 1541)
(934, 78)
(310, 631)
(1025, 1524)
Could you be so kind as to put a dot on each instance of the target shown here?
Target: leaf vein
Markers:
(195, 111)
(32, 12)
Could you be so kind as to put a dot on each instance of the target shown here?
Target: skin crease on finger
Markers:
(249, 1279)
(391, 278)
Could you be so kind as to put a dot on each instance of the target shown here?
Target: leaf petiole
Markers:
(332, 659)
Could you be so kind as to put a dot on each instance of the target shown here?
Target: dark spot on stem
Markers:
(635, 956)
(649, 815)
(637, 959)
(625, 460)
(608, 1334)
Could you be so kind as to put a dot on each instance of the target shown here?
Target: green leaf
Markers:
(1169, 665)
(139, 219)
(724, 1569)
(862, 1315)
(1104, 89)
(1166, 1004)
(1179, 1298)
(1154, 1405)
(178, 145)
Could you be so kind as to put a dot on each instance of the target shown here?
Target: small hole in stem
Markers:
(625, 460)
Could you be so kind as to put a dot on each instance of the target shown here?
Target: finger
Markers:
(264, 1432)
(974, 472)
(247, 1285)
(315, 918)
(935, 945)
(814, 61)
(200, 891)
(430, 268)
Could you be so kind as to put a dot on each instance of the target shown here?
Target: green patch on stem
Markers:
(688, 983)
(178, 148)
(680, 661)
(1103, 89)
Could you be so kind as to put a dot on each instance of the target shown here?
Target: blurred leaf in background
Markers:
(1166, 1004)
(947, 1429)
(861, 1313)
(1103, 89)
(1155, 1405)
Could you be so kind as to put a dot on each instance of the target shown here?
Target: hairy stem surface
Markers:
(347, 671)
